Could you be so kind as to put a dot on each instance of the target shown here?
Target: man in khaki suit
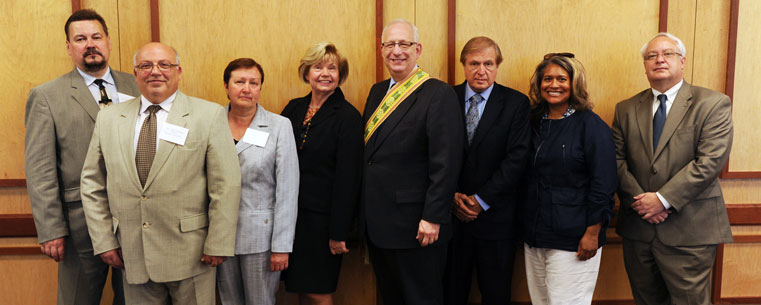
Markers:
(60, 116)
(672, 140)
(161, 187)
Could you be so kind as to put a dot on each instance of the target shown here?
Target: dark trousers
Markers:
(493, 261)
(662, 274)
(409, 276)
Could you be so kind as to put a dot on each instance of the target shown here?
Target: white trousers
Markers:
(558, 277)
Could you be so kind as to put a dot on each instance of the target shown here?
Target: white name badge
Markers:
(124, 97)
(256, 137)
(173, 133)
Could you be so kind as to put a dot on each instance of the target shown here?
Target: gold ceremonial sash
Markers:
(393, 99)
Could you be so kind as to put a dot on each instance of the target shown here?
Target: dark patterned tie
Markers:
(146, 145)
(659, 120)
(472, 117)
(104, 100)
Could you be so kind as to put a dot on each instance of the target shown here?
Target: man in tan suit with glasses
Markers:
(161, 187)
(672, 140)
(60, 116)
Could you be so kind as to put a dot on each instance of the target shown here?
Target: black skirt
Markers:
(311, 266)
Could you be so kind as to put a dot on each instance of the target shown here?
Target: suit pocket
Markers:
(569, 213)
(194, 222)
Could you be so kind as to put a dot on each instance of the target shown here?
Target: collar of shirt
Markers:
(393, 82)
(470, 93)
(670, 97)
(108, 82)
(166, 105)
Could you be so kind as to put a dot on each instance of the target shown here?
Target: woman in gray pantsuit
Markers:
(269, 191)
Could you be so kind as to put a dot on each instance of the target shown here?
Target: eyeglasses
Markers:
(163, 66)
(564, 54)
(404, 45)
(473, 66)
(666, 55)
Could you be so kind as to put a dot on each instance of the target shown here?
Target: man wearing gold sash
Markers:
(414, 142)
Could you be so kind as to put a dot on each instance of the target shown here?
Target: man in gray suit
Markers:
(60, 116)
(672, 140)
(161, 187)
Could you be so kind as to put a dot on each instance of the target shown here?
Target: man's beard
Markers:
(93, 66)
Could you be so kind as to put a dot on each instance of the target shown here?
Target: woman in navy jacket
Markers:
(571, 182)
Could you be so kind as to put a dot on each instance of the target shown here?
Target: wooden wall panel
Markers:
(28, 279)
(134, 29)
(34, 46)
(747, 97)
(430, 17)
(276, 34)
(681, 22)
(709, 52)
(607, 42)
(741, 269)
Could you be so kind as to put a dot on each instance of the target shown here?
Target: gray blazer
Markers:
(269, 187)
(60, 116)
(693, 148)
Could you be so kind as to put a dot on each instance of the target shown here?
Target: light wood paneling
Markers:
(709, 54)
(607, 42)
(34, 47)
(741, 268)
(430, 17)
(747, 96)
(681, 22)
(134, 31)
(28, 279)
(14, 200)
(276, 34)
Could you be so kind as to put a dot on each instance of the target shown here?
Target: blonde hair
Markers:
(323, 52)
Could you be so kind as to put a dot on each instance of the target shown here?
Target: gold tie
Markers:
(146, 145)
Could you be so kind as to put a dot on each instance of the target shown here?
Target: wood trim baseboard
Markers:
(17, 225)
(20, 250)
(378, 37)
(12, 182)
(451, 40)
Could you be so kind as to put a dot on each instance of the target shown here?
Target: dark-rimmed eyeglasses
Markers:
(404, 45)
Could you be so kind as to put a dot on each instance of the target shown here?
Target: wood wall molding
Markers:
(12, 182)
(663, 16)
(378, 36)
(451, 40)
(17, 225)
(155, 26)
(76, 5)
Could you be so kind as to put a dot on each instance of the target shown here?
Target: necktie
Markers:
(146, 145)
(104, 100)
(472, 117)
(659, 120)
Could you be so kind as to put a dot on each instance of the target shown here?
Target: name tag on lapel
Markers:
(256, 137)
(173, 133)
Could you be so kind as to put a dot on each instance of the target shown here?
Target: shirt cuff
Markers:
(483, 204)
(665, 203)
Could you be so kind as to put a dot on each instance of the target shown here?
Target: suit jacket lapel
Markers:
(82, 94)
(123, 85)
(393, 119)
(126, 138)
(177, 116)
(644, 112)
(491, 112)
(260, 122)
(677, 112)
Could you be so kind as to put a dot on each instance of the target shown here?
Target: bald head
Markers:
(157, 71)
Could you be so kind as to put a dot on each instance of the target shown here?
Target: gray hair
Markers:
(679, 43)
(400, 20)
(177, 54)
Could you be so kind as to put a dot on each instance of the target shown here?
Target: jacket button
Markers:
(143, 198)
(266, 221)
(370, 162)
(146, 224)
(655, 171)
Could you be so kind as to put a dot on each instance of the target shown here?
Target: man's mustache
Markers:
(92, 51)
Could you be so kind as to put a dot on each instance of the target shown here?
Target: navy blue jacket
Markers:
(571, 181)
